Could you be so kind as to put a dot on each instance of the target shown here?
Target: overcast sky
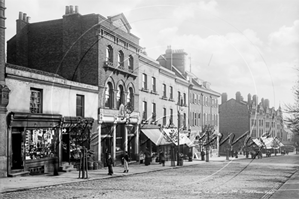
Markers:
(248, 46)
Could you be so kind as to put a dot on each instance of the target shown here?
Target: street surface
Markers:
(245, 178)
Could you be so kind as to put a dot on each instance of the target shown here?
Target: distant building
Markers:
(238, 116)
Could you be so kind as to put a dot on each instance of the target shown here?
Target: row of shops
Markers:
(35, 140)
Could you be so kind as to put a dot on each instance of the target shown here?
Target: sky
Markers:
(248, 46)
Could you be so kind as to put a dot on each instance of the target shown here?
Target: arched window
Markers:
(109, 54)
(130, 97)
(109, 95)
(120, 96)
(130, 63)
(121, 59)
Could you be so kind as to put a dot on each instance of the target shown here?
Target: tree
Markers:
(292, 121)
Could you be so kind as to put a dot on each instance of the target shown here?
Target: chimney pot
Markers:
(20, 15)
(76, 9)
(27, 19)
(71, 9)
(67, 10)
(24, 16)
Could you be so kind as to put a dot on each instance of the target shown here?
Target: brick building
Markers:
(238, 116)
(4, 95)
(94, 50)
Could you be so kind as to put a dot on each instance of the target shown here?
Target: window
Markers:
(184, 120)
(153, 112)
(80, 105)
(109, 95)
(184, 99)
(171, 92)
(193, 98)
(171, 116)
(121, 59)
(109, 54)
(164, 91)
(199, 119)
(267, 124)
(154, 84)
(165, 116)
(36, 100)
(195, 119)
(144, 110)
(144, 83)
(120, 96)
(254, 133)
(130, 63)
(179, 99)
(204, 118)
(130, 97)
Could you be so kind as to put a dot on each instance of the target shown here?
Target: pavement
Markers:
(290, 189)
(22, 183)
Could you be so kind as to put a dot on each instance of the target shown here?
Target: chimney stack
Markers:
(22, 21)
(224, 97)
(238, 96)
(249, 98)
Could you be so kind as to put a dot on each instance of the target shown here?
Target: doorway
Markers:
(17, 150)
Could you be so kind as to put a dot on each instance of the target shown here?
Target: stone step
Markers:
(22, 173)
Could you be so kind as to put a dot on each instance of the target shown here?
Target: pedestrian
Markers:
(142, 157)
(109, 163)
(126, 160)
(162, 158)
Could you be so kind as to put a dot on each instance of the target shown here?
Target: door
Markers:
(17, 150)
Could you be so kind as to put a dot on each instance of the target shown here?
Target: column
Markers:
(126, 139)
(137, 137)
(59, 147)
(99, 141)
(114, 141)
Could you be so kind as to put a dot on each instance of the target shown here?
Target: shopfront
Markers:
(33, 141)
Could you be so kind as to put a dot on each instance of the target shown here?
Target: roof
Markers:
(31, 70)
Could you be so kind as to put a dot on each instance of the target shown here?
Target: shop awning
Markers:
(257, 142)
(171, 136)
(153, 134)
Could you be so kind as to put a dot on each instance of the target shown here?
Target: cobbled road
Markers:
(245, 178)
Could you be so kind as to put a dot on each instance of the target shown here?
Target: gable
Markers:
(120, 22)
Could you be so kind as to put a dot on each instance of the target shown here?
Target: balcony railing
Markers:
(110, 66)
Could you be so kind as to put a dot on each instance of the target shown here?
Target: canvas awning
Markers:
(154, 135)
(257, 142)
(171, 136)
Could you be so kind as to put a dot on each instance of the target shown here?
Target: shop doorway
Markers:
(17, 150)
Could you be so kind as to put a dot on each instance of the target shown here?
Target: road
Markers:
(244, 178)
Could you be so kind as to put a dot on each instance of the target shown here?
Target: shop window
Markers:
(109, 95)
(36, 99)
(39, 143)
(80, 105)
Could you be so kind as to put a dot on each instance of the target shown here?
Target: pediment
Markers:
(120, 22)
